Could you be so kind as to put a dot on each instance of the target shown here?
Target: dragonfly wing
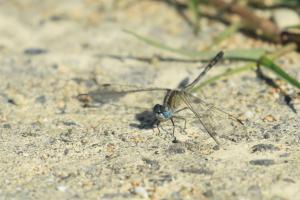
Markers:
(215, 121)
(205, 105)
(224, 125)
(112, 92)
(207, 126)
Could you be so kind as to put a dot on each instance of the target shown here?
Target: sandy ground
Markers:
(54, 148)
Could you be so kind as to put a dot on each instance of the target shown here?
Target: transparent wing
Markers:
(216, 122)
(112, 92)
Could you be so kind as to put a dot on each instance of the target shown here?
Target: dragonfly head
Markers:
(162, 112)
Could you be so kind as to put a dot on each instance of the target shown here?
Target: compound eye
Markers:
(157, 108)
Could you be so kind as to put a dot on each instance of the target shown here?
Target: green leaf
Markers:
(237, 54)
(268, 63)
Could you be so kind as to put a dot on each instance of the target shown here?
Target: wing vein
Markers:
(187, 102)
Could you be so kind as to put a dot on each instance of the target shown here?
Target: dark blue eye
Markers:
(157, 108)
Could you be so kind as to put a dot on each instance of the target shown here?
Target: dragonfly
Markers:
(211, 118)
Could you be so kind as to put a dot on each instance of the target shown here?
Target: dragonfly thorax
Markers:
(162, 112)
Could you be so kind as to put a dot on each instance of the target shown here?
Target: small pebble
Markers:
(11, 101)
(254, 192)
(35, 51)
(6, 126)
(216, 147)
(66, 151)
(269, 118)
(197, 171)
(40, 99)
(153, 164)
(284, 155)
(141, 191)
(208, 193)
(262, 162)
(249, 114)
(84, 141)
(61, 188)
(285, 18)
(175, 149)
(264, 147)
(289, 180)
(69, 123)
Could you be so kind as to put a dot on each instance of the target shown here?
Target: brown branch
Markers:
(252, 21)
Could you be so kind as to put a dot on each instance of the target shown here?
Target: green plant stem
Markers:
(266, 62)
(254, 55)
(193, 7)
(228, 32)
(230, 72)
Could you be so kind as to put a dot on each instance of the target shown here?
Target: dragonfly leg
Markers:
(157, 123)
(159, 127)
(173, 132)
(177, 111)
(184, 126)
